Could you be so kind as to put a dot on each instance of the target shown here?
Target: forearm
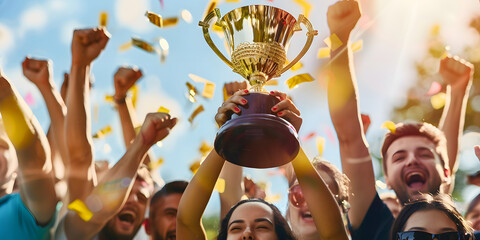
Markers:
(320, 201)
(452, 123)
(195, 198)
(126, 113)
(233, 176)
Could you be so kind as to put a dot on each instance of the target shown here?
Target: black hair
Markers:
(169, 188)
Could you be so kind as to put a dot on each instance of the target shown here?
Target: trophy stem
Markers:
(257, 81)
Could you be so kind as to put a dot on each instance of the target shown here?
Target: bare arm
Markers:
(34, 165)
(111, 191)
(458, 74)
(343, 104)
(321, 203)
(86, 46)
(195, 198)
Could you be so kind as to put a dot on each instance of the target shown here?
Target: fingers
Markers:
(477, 151)
(96, 35)
(284, 104)
(282, 96)
(233, 87)
(455, 64)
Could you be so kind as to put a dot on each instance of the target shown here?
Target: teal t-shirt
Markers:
(16, 221)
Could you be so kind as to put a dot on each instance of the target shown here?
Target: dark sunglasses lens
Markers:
(296, 196)
(417, 235)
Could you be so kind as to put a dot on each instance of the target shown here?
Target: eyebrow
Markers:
(170, 209)
(236, 221)
(256, 220)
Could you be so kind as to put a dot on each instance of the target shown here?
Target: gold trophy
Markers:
(258, 37)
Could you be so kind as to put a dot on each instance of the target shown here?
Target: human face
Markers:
(432, 221)
(300, 217)
(8, 164)
(130, 218)
(414, 167)
(252, 220)
(163, 217)
(474, 217)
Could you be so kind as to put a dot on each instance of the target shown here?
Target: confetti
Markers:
(134, 90)
(81, 209)
(435, 88)
(208, 90)
(168, 22)
(438, 49)
(156, 164)
(210, 7)
(108, 99)
(390, 126)
(103, 132)
(296, 66)
(220, 185)
(205, 148)
(309, 136)
(333, 42)
(198, 110)
(435, 30)
(438, 100)
(195, 166)
(301, 78)
(357, 46)
(380, 184)
(29, 99)
(103, 19)
(192, 91)
(155, 19)
(273, 198)
(365, 122)
(197, 79)
(125, 46)
(273, 82)
(323, 52)
(143, 45)
(232, 1)
(186, 16)
(305, 5)
(320, 141)
(137, 129)
(163, 109)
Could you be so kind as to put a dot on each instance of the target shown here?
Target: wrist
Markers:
(119, 99)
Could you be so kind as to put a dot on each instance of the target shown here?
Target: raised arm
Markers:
(457, 74)
(112, 192)
(344, 111)
(86, 46)
(195, 198)
(321, 203)
(34, 165)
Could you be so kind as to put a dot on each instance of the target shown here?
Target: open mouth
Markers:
(127, 217)
(306, 216)
(171, 235)
(415, 180)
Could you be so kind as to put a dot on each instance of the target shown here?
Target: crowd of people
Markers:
(52, 188)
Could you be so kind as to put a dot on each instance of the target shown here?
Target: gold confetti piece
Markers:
(168, 22)
(357, 46)
(143, 45)
(198, 79)
(435, 30)
(156, 164)
(297, 66)
(103, 132)
(217, 28)
(137, 129)
(380, 184)
(305, 5)
(333, 42)
(273, 198)
(81, 209)
(438, 100)
(220, 185)
(192, 91)
(210, 7)
(273, 82)
(320, 145)
(208, 90)
(134, 90)
(198, 110)
(323, 52)
(125, 46)
(103, 19)
(163, 109)
(155, 19)
(301, 78)
(186, 16)
(195, 166)
(438, 49)
(232, 1)
(205, 148)
(390, 126)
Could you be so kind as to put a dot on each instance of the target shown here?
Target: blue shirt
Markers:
(17, 222)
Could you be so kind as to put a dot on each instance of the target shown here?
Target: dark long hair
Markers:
(282, 229)
(441, 202)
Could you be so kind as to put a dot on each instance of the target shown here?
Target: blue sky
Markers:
(394, 35)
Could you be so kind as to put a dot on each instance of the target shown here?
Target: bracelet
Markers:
(119, 101)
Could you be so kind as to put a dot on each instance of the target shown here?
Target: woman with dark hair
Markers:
(433, 217)
(281, 226)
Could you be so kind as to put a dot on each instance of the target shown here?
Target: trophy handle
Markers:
(205, 26)
(310, 34)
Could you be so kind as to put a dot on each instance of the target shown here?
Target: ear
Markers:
(146, 225)
(387, 182)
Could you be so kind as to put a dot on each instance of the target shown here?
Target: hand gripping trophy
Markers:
(258, 37)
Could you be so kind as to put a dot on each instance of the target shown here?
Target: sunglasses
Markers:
(419, 235)
(295, 196)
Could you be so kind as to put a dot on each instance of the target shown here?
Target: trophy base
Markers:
(257, 140)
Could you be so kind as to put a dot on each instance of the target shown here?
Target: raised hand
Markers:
(456, 72)
(156, 127)
(63, 88)
(342, 18)
(87, 44)
(253, 190)
(5, 86)
(39, 72)
(124, 79)
(229, 107)
(287, 110)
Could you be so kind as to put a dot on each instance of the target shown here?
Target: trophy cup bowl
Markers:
(258, 37)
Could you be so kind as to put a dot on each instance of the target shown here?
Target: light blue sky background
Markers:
(394, 35)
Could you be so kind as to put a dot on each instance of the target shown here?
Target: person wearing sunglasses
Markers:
(432, 217)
